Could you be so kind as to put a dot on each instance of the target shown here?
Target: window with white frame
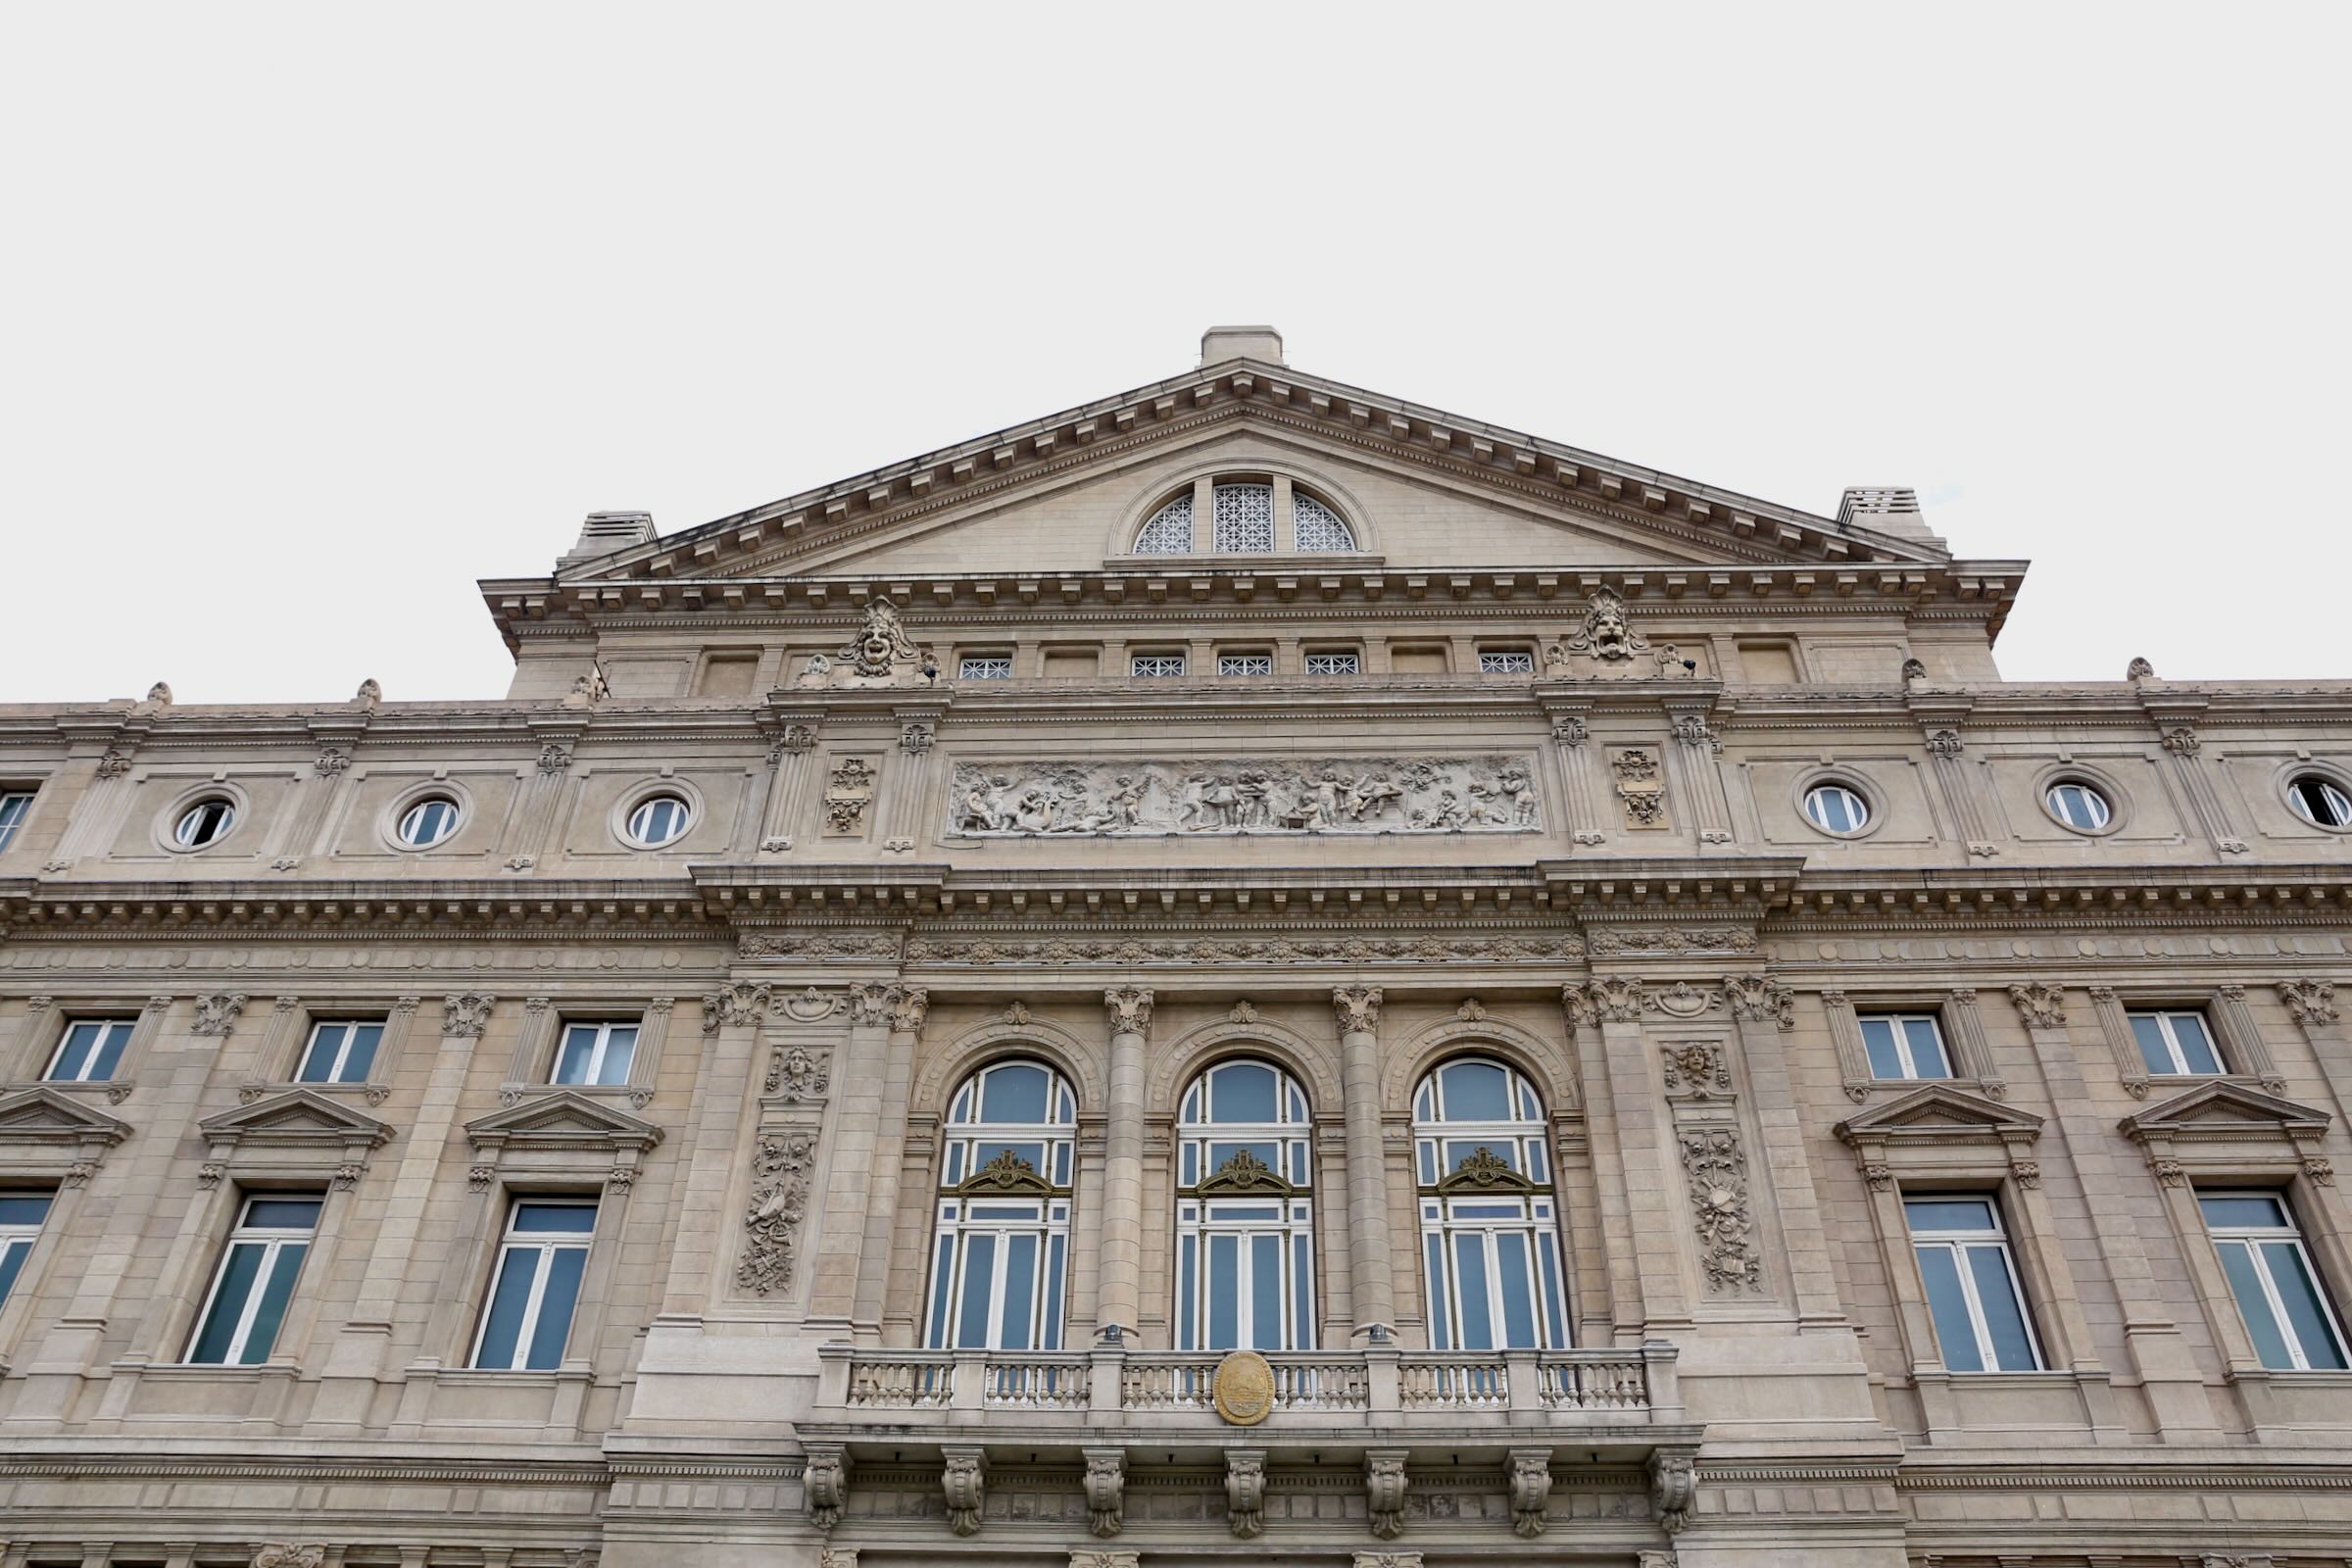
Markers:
(429, 821)
(21, 1215)
(340, 1053)
(1156, 667)
(14, 803)
(205, 823)
(537, 1286)
(594, 1054)
(2079, 805)
(984, 666)
(255, 1283)
(1490, 1229)
(1905, 1045)
(2292, 1323)
(1244, 664)
(90, 1051)
(1506, 662)
(1245, 1219)
(2175, 1044)
(1836, 809)
(999, 1256)
(657, 819)
(2319, 802)
(1971, 1280)
(1334, 664)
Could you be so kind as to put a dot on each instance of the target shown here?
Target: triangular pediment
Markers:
(1938, 1111)
(566, 1121)
(2225, 1109)
(44, 1115)
(1423, 487)
(296, 1116)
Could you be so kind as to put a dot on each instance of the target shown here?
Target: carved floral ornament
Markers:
(1619, 999)
(1485, 793)
(780, 1165)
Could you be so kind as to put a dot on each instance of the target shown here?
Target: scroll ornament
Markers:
(1128, 1010)
(1106, 1486)
(1531, 1489)
(1384, 1491)
(1245, 1493)
(216, 1015)
(966, 1482)
(1673, 1487)
(825, 1484)
(464, 1017)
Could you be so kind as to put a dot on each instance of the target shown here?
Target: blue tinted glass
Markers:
(979, 1278)
(2245, 1283)
(2299, 1294)
(576, 1218)
(24, 1209)
(943, 1282)
(1020, 1290)
(277, 1290)
(1927, 1050)
(2151, 1034)
(1032, 1155)
(1014, 1093)
(2004, 1316)
(1185, 1285)
(283, 1213)
(237, 1275)
(565, 1265)
(1050, 1340)
(571, 1064)
(1266, 1291)
(364, 1038)
(12, 1261)
(1424, 1153)
(507, 1300)
(1459, 1150)
(2195, 1048)
(1224, 1292)
(110, 1050)
(620, 1046)
(1440, 1321)
(1948, 1213)
(1241, 1092)
(1302, 1303)
(1476, 1091)
(1470, 1279)
(1268, 1154)
(1948, 1304)
(1518, 1301)
(75, 1052)
(318, 1065)
(2232, 1212)
(1878, 1039)
(1552, 1294)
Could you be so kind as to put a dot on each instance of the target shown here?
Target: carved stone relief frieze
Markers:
(1061, 952)
(798, 1073)
(1716, 1169)
(1493, 793)
(1609, 943)
(816, 945)
(780, 1165)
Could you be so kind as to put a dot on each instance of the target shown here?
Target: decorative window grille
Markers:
(1244, 664)
(1171, 530)
(1506, 663)
(1244, 523)
(1000, 1252)
(1156, 667)
(1318, 528)
(1490, 1232)
(986, 667)
(1333, 664)
(1244, 1222)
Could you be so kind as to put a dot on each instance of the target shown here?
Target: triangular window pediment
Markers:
(563, 1120)
(1939, 1112)
(296, 1116)
(2224, 1109)
(44, 1115)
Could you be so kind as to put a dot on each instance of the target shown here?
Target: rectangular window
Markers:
(90, 1052)
(1244, 664)
(1156, 667)
(340, 1053)
(12, 806)
(537, 1286)
(2174, 1043)
(596, 1054)
(2288, 1314)
(1333, 664)
(1507, 662)
(20, 1218)
(249, 1297)
(985, 667)
(1964, 1262)
(1905, 1045)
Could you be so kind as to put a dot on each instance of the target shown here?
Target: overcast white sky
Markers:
(314, 313)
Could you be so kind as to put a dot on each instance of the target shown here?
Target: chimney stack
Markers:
(1221, 343)
(604, 532)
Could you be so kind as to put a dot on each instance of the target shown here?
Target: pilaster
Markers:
(1119, 1308)
(1370, 1272)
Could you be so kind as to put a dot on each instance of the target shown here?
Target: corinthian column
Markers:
(910, 1006)
(1371, 1285)
(1122, 1300)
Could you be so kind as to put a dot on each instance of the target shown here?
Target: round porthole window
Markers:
(2079, 805)
(208, 821)
(2319, 802)
(1836, 809)
(657, 819)
(429, 822)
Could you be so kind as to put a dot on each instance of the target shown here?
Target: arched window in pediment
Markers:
(1244, 516)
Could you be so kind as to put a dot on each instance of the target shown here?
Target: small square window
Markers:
(1244, 664)
(340, 1053)
(2175, 1045)
(90, 1052)
(1507, 662)
(596, 1054)
(14, 803)
(985, 667)
(1156, 667)
(1334, 664)
(1905, 1045)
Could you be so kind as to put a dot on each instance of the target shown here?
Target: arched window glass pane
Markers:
(1318, 528)
(1171, 530)
(1243, 1092)
(1244, 518)
(1490, 1225)
(1476, 1091)
(1000, 1242)
(1015, 1094)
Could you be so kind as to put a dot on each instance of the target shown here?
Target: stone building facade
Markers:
(1247, 970)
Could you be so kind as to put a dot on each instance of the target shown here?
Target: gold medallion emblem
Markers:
(1244, 1389)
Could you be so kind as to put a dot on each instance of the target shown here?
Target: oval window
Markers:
(429, 822)
(1834, 808)
(2079, 807)
(2319, 802)
(205, 822)
(657, 819)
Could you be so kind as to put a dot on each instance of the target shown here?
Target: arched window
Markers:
(1245, 516)
(1245, 1219)
(1489, 1228)
(1000, 1253)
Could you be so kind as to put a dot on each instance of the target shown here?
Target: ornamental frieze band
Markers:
(1485, 794)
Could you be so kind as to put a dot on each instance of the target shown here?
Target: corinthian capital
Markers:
(1128, 1010)
(1357, 1008)
(1606, 999)
(870, 1006)
(913, 1007)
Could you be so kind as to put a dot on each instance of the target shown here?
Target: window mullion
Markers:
(252, 1306)
(544, 1264)
(2277, 1305)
